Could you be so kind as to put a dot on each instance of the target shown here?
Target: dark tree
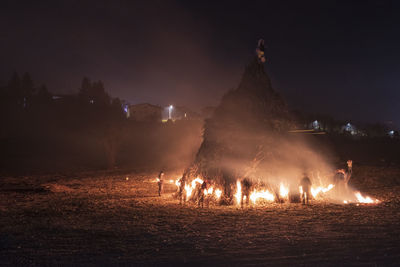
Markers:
(94, 92)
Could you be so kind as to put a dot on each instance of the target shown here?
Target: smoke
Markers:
(272, 159)
(250, 136)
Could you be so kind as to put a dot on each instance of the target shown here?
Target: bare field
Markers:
(105, 219)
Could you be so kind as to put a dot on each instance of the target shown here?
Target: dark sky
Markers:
(335, 57)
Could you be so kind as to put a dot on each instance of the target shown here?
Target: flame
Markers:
(361, 199)
(188, 190)
(265, 194)
(209, 191)
(319, 189)
(218, 193)
(197, 180)
(238, 194)
(189, 187)
(283, 191)
(367, 199)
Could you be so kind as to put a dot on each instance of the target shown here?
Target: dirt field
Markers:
(105, 219)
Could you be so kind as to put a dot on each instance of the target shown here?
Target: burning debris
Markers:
(200, 191)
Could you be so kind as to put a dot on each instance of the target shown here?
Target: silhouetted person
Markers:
(305, 183)
(342, 177)
(348, 173)
(181, 192)
(160, 182)
(246, 186)
(203, 187)
(260, 51)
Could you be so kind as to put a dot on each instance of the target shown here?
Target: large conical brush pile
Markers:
(239, 137)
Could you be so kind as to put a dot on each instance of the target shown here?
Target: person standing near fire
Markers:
(202, 194)
(342, 177)
(181, 192)
(160, 182)
(305, 184)
(348, 174)
(260, 51)
(246, 184)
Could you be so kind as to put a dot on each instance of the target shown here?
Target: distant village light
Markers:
(126, 110)
(170, 111)
(315, 124)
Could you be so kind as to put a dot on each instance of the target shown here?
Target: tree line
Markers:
(33, 119)
(87, 130)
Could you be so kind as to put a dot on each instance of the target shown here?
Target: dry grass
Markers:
(105, 219)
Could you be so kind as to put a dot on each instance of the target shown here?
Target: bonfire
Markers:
(250, 136)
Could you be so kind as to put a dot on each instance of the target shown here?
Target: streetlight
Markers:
(169, 111)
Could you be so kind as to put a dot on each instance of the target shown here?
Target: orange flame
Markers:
(319, 189)
(218, 193)
(238, 194)
(283, 191)
(265, 194)
(367, 199)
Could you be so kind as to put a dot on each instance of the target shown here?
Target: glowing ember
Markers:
(283, 191)
(238, 194)
(266, 195)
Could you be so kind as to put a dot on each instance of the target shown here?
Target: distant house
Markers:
(179, 113)
(145, 112)
(185, 113)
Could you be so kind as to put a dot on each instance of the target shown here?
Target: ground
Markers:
(104, 218)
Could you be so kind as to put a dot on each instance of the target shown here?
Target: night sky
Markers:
(334, 57)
